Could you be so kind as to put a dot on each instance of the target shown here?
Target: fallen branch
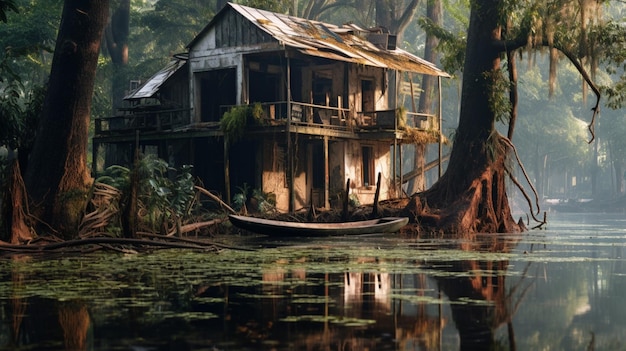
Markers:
(195, 226)
(216, 199)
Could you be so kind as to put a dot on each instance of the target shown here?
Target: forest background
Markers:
(552, 135)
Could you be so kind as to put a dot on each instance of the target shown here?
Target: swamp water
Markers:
(555, 289)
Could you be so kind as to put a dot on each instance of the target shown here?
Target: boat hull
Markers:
(284, 228)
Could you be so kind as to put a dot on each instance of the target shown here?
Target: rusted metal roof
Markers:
(152, 85)
(345, 43)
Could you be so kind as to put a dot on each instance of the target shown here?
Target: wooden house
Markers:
(324, 100)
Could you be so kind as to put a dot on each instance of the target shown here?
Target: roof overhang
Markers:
(152, 85)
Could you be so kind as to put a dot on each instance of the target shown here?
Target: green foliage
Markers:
(450, 44)
(266, 202)
(241, 197)
(160, 195)
(30, 35)
(10, 105)
(235, 120)
(163, 193)
(117, 177)
(498, 86)
(19, 111)
(5, 7)
(260, 201)
(27, 40)
(353, 200)
(612, 39)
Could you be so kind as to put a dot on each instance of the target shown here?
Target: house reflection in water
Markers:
(358, 310)
(369, 303)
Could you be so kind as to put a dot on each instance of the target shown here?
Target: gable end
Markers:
(235, 30)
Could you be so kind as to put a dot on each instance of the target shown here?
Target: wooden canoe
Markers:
(284, 228)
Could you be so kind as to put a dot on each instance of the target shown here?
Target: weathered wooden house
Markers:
(326, 102)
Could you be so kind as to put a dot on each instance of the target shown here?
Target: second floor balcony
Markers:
(271, 114)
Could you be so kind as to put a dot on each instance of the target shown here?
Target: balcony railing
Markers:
(390, 119)
(305, 113)
(153, 120)
(273, 113)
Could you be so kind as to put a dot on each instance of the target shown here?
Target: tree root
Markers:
(19, 219)
(521, 188)
(482, 207)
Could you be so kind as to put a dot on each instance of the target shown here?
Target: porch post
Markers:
(440, 128)
(326, 175)
(290, 155)
(394, 173)
(226, 170)
(400, 172)
(94, 158)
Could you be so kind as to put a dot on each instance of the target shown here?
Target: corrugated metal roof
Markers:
(346, 43)
(152, 85)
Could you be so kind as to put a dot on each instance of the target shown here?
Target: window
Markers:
(367, 176)
(322, 88)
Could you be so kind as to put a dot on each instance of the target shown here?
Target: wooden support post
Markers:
(326, 175)
(290, 153)
(344, 211)
(440, 131)
(311, 214)
(226, 170)
(129, 216)
(375, 209)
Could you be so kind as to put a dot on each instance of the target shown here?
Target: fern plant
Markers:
(235, 120)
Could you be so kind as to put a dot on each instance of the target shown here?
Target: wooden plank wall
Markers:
(234, 30)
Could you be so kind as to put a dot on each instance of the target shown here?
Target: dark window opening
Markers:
(368, 165)
(217, 88)
(318, 166)
(367, 96)
(322, 88)
(264, 87)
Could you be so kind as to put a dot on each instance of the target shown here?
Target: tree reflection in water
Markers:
(477, 322)
(75, 321)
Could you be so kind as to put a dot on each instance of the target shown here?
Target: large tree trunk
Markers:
(57, 178)
(471, 195)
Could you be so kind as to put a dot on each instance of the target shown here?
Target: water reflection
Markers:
(482, 302)
(375, 308)
(560, 291)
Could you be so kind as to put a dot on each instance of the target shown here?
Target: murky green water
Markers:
(555, 289)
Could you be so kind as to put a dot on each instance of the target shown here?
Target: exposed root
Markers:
(104, 201)
(521, 188)
(482, 207)
(20, 221)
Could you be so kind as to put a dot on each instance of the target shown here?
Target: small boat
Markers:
(284, 228)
